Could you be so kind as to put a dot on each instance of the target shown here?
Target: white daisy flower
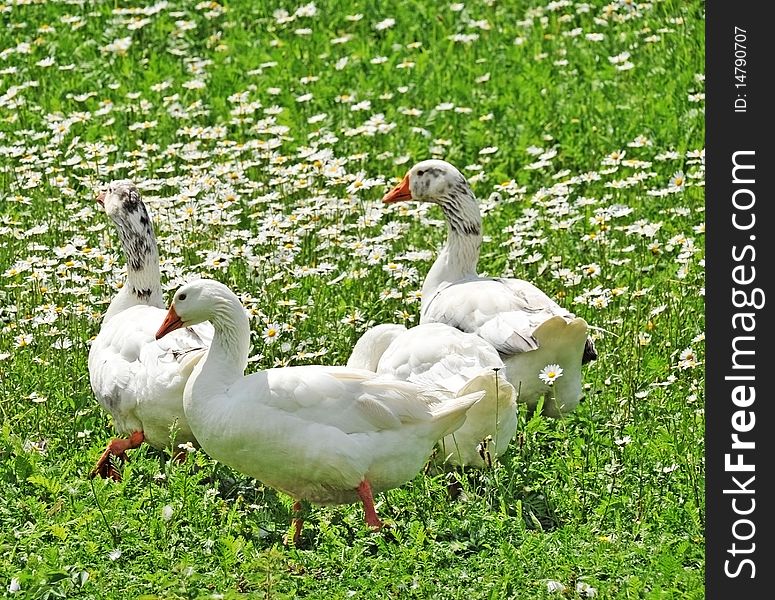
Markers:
(550, 373)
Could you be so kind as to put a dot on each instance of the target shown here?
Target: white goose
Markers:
(529, 329)
(329, 435)
(136, 378)
(435, 354)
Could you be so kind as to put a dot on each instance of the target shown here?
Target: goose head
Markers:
(439, 182)
(123, 204)
(429, 181)
(209, 300)
(194, 303)
(121, 201)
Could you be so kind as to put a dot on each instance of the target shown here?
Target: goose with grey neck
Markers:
(328, 435)
(439, 355)
(134, 377)
(529, 329)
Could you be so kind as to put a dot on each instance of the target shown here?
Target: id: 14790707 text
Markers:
(741, 73)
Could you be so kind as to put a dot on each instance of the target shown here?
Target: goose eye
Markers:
(182, 297)
(420, 173)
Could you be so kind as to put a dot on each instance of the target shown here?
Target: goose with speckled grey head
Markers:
(529, 329)
(134, 377)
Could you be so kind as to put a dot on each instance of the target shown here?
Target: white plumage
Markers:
(437, 355)
(140, 380)
(136, 378)
(325, 434)
(528, 329)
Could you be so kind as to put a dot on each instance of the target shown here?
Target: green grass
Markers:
(612, 496)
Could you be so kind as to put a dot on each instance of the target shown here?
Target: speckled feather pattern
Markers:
(505, 312)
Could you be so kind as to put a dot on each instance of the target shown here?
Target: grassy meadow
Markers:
(263, 136)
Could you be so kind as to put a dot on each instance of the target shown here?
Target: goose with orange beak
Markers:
(529, 330)
(325, 434)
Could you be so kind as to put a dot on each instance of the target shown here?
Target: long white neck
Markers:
(143, 279)
(228, 354)
(460, 254)
(372, 345)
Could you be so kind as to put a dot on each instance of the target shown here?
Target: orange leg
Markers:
(117, 447)
(370, 513)
(298, 523)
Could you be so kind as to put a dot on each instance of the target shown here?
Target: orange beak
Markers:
(171, 323)
(101, 198)
(398, 193)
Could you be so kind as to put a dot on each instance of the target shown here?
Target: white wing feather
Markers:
(140, 380)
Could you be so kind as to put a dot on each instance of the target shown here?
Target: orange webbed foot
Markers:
(106, 465)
